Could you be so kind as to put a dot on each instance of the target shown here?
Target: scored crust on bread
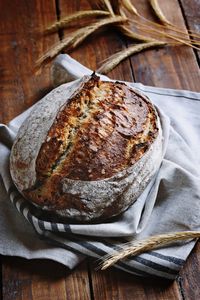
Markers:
(95, 140)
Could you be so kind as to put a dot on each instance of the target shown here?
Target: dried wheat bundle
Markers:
(141, 246)
(147, 33)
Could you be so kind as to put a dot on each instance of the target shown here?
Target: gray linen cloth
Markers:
(171, 201)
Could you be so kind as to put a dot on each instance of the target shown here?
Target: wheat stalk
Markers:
(157, 33)
(160, 33)
(116, 58)
(173, 28)
(78, 37)
(166, 34)
(138, 247)
(73, 17)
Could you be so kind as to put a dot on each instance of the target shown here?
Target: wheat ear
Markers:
(73, 17)
(116, 58)
(129, 6)
(156, 8)
(138, 247)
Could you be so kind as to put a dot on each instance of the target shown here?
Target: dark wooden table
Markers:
(20, 88)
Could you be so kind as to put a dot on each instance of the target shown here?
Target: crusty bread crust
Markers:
(95, 152)
(33, 133)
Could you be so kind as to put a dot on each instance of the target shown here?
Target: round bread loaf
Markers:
(87, 150)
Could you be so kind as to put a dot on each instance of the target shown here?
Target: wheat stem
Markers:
(165, 34)
(173, 28)
(160, 34)
(141, 246)
(134, 35)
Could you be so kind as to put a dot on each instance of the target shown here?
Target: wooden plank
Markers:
(115, 284)
(98, 50)
(189, 278)
(191, 13)
(0, 279)
(43, 280)
(170, 67)
(21, 46)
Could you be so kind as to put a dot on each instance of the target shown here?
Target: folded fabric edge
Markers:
(137, 265)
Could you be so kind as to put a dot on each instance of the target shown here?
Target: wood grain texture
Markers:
(0, 277)
(35, 280)
(114, 284)
(21, 45)
(19, 88)
(191, 14)
(189, 278)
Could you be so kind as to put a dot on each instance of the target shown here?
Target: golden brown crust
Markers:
(104, 129)
(58, 140)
